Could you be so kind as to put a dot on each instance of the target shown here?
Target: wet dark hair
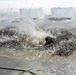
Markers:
(49, 40)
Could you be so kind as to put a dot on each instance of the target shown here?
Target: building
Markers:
(64, 13)
(33, 13)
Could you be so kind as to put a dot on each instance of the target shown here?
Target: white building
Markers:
(63, 12)
(33, 13)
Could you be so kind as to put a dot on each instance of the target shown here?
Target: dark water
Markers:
(28, 35)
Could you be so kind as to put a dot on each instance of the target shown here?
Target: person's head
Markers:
(49, 40)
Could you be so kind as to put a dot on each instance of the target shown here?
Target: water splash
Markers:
(29, 28)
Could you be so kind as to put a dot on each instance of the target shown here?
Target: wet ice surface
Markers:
(26, 55)
(38, 67)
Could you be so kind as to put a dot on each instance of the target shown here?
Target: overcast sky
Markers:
(37, 3)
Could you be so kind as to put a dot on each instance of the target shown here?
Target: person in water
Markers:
(49, 41)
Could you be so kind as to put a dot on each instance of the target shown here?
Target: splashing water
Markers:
(30, 36)
(59, 65)
(29, 28)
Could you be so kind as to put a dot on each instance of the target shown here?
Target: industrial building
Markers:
(33, 13)
(63, 13)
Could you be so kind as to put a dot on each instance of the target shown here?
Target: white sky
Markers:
(37, 3)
